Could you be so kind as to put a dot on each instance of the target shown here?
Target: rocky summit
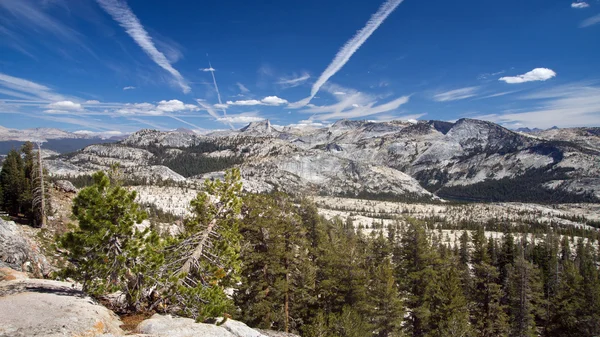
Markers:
(425, 160)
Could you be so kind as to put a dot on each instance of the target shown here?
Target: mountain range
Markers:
(468, 160)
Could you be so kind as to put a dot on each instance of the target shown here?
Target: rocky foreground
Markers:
(47, 308)
(37, 307)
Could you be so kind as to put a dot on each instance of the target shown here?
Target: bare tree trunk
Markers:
(39, 200)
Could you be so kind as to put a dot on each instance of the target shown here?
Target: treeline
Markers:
(307, 275)
(192, 161)
(292, 270)
(20, 187)
(524, 188)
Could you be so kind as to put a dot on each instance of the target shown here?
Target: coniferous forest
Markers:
(273, 262)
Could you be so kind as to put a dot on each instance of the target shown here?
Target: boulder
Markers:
(65, 186)
(46, 308)
(20, 253)
(168, 326)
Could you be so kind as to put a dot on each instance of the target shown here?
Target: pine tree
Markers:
(586, 262)
(488, 317)
(204, 260)
(418, 274)
(105, 250)
(525, 298)
(450, 311)
(385, 306)
(568, 304)
(278, 278)
(12, 179)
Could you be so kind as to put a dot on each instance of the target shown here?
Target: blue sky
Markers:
(110, 66)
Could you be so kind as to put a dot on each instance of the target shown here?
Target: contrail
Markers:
(212, 112)
(121, 13)
(212, 72)
(342, 57)
(188, 123)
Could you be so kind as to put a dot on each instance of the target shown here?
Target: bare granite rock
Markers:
(168, 326)
(46, 308)
(65, 186)
(18, 252)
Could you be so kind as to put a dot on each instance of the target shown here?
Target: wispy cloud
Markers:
(121, 13)
(344, 55)
(129, 88)
(32, 15)
(243, 88)
(457, 94)
(537, 74)
(209, 69)
(570, 105)
(590, 21)
(22, 88)
(580, 4)
(352, 105)
(293, 81)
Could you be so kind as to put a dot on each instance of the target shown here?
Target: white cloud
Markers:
(129, 88)
(242, 87)
(65, 105)
(455, 95)
(590, 21)
(580, 4)
(246, 102)
(537, 74)
(163, 107)
(273, 100)
(92, 101)
(294, 81)
(339, 93)
(221, 106)
(121, 13)
(344, 55)
(208, 69)
(564, 106)
(269, 100)
(243, 118)
(175, 105)
(101, 134)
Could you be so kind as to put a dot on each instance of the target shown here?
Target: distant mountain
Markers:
(51, 138)
(467, 160)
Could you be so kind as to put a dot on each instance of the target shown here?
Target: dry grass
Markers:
(131, 321)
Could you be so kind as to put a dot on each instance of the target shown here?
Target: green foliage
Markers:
(106, 251)
(204, 260)
(13, 182)
(278, 279)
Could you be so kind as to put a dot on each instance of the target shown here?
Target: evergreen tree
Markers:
(418, 274)
(204, 260)
(568, 304)
(105, 249)
(386, 310)
(13, 182)
(278, 278)
(450, 311)
(525, 298)
(488, 317)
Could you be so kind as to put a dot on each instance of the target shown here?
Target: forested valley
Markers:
(271, 261)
